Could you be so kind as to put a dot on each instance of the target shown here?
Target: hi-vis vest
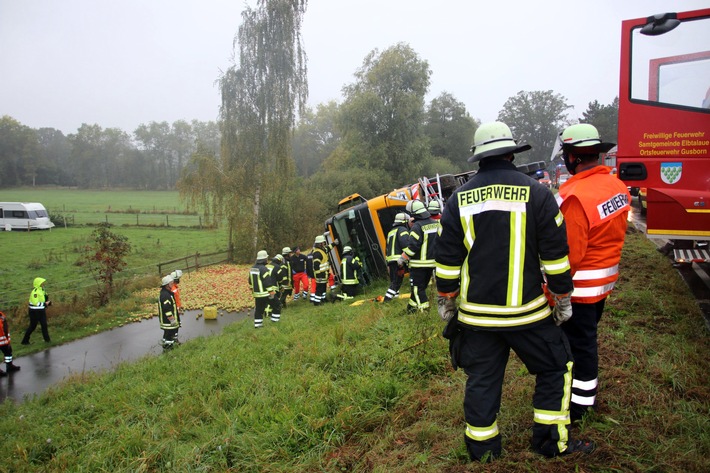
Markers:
(4, 332)
(38, 296)
(604, 198)
(259, 280)
(321, 265)
(349, 267)
(422, 237)
(396, 241)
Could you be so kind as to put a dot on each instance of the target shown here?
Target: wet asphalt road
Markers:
(98, 352)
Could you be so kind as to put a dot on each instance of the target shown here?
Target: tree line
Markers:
(274, 168)
(151, 157)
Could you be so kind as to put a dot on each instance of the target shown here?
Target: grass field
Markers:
(118, 207)
(54, 254)
(369, 388)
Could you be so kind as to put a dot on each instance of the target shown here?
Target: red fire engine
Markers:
(664, 125)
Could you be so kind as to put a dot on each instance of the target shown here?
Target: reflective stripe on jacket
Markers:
(4, 331)
(497, 230)
(595, 204)
(349, 266)
(167, 308)
(420, 246)
(396, 242)
(259, 280)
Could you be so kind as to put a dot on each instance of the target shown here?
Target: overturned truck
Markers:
(363, 224)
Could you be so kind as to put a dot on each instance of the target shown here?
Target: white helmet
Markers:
(320, 239)
(286, 250)
(434, 208)
(166, 280)
(177, 274)
(400, 218)
(262, 255)
(417, 209)
(584, 135)
(347, 250)
(494, 139)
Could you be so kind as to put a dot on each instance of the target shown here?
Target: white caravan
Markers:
(24, 216)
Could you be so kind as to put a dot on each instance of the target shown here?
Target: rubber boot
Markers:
(2, 373)
(11, 367)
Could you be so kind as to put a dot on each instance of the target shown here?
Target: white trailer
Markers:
(24, 216)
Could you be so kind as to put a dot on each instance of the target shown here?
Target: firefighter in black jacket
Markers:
(275, 274)
(397, 239)
(350, 267)
(419, 254)
(286, 284)
(262, 287)
(321, 268)
(498, 229)
(168, 312)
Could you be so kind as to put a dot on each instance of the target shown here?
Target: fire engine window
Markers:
(673, 68)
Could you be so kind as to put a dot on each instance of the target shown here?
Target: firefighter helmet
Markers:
(417, 209)
(262, 255)
(494, 139)
(320, 239)
(584, 136)
(400, 218)
(166, 280)
(347, 250)
(278, 258)
(434, 207)
(286, 250)
(177, 274)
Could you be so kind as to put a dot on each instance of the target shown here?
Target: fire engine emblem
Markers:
(671, 172)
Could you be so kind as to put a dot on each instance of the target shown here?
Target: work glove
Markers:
(562, 311)
(402, 261)
(271, 295)
(446, 307)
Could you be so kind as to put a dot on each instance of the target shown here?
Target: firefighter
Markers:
(397, 239)
(6, 347)
(595, 205)
(300, 277)
(262, 287)
(286, 285)
(350, 267)
(167, 312)
(321, 268)
(419, 254)
(497, 230)
(276, 273)
(177, 274)
(39, 301)
(434, 208)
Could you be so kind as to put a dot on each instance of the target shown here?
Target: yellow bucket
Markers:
(210, 313)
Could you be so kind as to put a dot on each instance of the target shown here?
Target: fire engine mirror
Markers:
(660, 24)
(632, 172)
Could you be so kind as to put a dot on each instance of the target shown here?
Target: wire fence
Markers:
(67, 288)
(132, 219)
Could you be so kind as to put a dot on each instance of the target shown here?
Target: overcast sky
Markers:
(123, 63)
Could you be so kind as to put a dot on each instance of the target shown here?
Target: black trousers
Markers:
(483, 354)
(396, 277)
(37, 316)
(419, 278)
(581, 331)
(260, 305)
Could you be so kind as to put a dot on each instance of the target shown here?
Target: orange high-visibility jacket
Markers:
(595, 205)
(4, 332)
